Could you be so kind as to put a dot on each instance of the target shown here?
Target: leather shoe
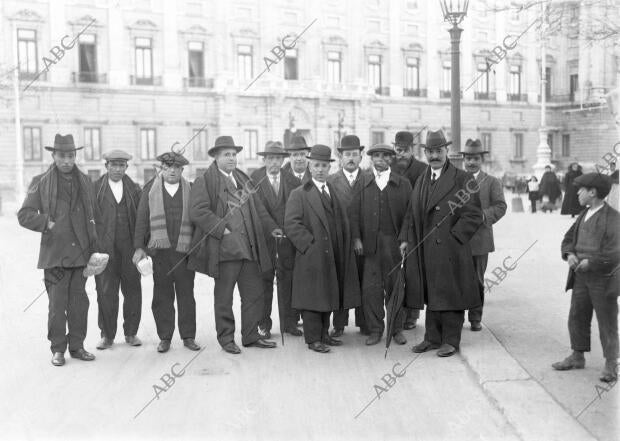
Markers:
(261, 343)
(446, 350)
(82, 354)
(424, 346)
(163, 346)
(189, 343)
(294, 331)
(410, 324)
(476, 326)
(373, 339)
(336, 332)
(573, 361)
(317, 346)
(364, 330)
(610, 373)
(399, 338)
(231, 348)
(105, 343)
(330, 341)
(58, 359)
(133, 340)
(264, 333)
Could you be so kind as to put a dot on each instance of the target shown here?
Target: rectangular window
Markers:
(515, 80)
(334, 60)
(378, 137)
(565, 145)
(482, 85)
(374, 71)
(199, 145)
(27, 52)
(244, 62)
(32, 144)
(88, 58)
(144, 61)
(518, 147)
(251, 144)
(412, 73)
(485, 139)
(195, 62)
(147, 144)
(290, 65)
(92, 144)
(574, 86)
(446, 77)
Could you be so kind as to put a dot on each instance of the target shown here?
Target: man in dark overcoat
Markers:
(325, 275)
(347, 183)
(229, 244)
(443, 216)
(60, 205)
(164, 231)
(298, 161)
(377, 214)
(118, 197)
(274, 188)
(591, 248)
(406, 165)
(493, 204)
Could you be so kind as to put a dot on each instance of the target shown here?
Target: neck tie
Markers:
(324, 191)
(275, 184)
(433, 178)
(230, 183)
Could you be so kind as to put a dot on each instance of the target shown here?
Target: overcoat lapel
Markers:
(314, 199)
(442, 187)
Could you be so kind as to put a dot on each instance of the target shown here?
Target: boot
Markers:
(574, 361)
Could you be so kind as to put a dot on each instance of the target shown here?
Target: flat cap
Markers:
(171, 158)
(601, 182)
(117, 155)
(380, 148)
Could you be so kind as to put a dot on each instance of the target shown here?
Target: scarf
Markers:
(157, 218)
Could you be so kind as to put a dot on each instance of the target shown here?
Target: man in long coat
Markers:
(229, 244)
(325, 275)
(60, 205)
(406, 165)
(493, 204)
(550, 187)
(444, 214)
(117, 203)
(274, 188)
(347, 183)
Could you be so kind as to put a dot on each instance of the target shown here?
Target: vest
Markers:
(173, 206)
(386, 226)
(122, 235)
(588, 241)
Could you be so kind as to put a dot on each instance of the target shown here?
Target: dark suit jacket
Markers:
(493, 209)
(307, 176)
(341, 184)
(412, 171)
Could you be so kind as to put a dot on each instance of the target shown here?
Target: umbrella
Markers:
(278, 237)
(395, 304)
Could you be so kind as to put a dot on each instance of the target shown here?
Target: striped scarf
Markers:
(157, 217)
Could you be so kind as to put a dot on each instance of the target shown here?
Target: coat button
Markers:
(73, 244)
(438, 240)
(437, 208)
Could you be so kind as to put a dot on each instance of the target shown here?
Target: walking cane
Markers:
(278, 237)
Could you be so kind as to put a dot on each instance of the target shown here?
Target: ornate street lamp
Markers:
(454, 12)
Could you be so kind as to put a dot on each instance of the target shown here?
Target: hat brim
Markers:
(285, 154)
(360, 148)
(53, 149)
(388, 151)
(446, 144)
(212, 150)
(474, 153)
(320, 159)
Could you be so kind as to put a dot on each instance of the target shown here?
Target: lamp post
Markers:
(543, 152)
(454, 12)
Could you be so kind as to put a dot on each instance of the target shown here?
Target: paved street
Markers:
(500, 386)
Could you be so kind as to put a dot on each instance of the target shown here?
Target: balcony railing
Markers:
(198, 82)
(29, 76)
(414, 92)
(517, 97)
(488, 96)
(382, 91)
(559, 98)
(445, 94)
(144, 81)
(89, 77)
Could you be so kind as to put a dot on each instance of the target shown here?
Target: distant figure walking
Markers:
(534, 194)
(570, 204)
(550, 189)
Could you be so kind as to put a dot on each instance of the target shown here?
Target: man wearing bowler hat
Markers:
(325, 275)
(405, 164)
(118, 197)
(164, 229)
(377, 214)
(592, 250)
(347, 183)
(298, 161)
(274, 188)
(60, 204)
(443, 216)
(491, 193)
(230, 244)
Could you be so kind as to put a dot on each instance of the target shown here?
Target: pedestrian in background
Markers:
(533, 192)
(570, 204)
(591, 248)
(613, 198)
(550, 190)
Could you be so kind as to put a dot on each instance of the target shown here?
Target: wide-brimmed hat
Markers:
(274, 148)
(297, 143)
(601, 182)
(404, 139)
(380, 148)
(172, 158)
(436, 139)
(63, 144)
(473, 147)
(117, 155)
(350, 142)
(320, 152)
(224, 142)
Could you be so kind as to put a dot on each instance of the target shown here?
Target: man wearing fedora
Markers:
(118, 197)
(60, 204)
(325, 274)
(443, 216)
(406, 165)
(592, 250)
(377, 214)
(347, 183)
(298, 161)
(274, 188)
(164, 230)
(230, 244)
(491, 193)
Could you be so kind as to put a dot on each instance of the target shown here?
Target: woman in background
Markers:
(570, 204)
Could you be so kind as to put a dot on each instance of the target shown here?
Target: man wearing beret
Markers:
(60, 204)
(406, 165)
(117, 202)
(164, 230)
(377, 214)
(229, 244)
(592, 250)
(347, 183)
(274, 188)
(325, 275)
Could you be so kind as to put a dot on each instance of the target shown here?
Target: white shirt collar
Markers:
(477, 174)
(117, 189)
(351, 176)
(591, 212)
(277, 175)
(320, 185)
(381, 178)
(171, 188)
(437, 172)
(228, 175)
